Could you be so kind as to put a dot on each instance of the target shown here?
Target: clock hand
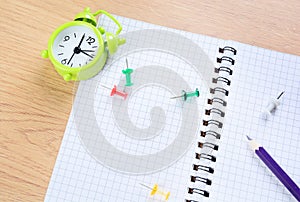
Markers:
(71, 58)
(86, 53)
(88, 50)
(81, 41)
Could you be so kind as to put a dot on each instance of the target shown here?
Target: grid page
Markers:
(259, 76)
(111, 146)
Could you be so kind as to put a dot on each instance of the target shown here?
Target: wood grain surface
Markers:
(35, 101)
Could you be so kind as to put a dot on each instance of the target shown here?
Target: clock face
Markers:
(75, 46)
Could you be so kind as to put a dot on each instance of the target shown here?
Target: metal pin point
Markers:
(280, 95)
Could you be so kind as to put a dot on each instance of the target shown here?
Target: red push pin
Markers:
(114, 91)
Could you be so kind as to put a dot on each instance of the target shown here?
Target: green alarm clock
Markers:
(77, 48)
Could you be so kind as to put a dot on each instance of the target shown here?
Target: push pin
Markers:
(271, 106)
(127, 72)
(155, 190)
(185, 95)
(114, 91)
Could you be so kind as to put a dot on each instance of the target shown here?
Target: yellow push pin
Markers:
(155, 190)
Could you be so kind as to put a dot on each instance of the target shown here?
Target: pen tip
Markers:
(249, 138)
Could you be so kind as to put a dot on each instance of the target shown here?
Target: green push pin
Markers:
(186, 95)
(127, 72)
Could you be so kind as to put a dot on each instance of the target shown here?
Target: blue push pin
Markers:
(127, 72)
(186, 95)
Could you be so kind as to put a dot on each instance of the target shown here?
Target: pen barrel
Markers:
(278, 172)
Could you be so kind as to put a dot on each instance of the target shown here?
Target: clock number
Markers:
(90, 40)
(64, 61)
(66, 38)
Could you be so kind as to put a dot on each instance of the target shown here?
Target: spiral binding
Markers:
(215, 123)
(221, 78)
(225, 69)
(217, 100)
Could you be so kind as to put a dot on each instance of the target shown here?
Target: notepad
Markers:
(195, 149)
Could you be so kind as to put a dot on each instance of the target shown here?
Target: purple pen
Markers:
(275, 168)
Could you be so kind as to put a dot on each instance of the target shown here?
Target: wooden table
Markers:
(34, 100)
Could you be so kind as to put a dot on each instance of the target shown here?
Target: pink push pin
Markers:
(114, 91)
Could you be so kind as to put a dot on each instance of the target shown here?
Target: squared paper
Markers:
(101, 126)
